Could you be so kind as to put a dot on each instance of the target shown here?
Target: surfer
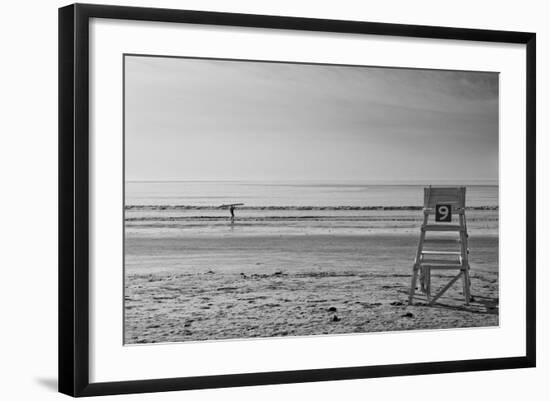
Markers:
(231, 207)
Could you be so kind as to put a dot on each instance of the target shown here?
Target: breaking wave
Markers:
(291, 208)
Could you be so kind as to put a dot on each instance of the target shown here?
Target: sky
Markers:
(201, 119)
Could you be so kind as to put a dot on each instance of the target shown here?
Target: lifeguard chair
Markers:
(447, 205)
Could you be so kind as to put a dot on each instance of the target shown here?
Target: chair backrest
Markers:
(454, 196)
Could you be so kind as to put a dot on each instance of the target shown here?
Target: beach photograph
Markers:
(272, 199)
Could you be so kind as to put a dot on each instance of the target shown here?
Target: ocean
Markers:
(290, 194)
(179, 208)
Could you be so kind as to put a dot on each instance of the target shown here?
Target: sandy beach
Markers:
(300, 258)
(245, 280)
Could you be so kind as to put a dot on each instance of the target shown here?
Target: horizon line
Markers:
(324, 180)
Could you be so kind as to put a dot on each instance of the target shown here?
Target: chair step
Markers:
(443, 267)
(442, 241)
(443, 262)
(442, 227)
(457, 253)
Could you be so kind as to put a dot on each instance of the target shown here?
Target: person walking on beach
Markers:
(231, 207)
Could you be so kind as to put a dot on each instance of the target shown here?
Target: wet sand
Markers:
(228, 285)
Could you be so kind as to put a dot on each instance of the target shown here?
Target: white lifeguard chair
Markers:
(447, 205)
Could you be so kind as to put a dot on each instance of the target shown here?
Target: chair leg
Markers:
(467, 285)
(428, 285)
(413, 284)
(447, 286)
(464, 249)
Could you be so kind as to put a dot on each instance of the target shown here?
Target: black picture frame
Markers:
(74, 194)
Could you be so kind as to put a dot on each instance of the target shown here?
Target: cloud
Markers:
(192, 118)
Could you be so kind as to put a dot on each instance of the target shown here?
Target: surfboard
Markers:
(231, 204)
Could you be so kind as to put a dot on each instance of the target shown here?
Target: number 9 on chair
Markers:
(443, 213)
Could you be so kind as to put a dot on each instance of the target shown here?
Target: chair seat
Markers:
(442, 227)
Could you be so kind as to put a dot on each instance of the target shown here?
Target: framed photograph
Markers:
(251, 199)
